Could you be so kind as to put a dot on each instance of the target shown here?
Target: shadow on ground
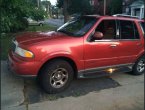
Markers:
(79, 87)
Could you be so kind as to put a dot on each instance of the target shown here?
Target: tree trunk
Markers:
(65, 12)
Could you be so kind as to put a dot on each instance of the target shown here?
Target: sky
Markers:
(53, 2)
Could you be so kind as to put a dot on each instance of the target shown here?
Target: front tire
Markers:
(139, 67)
(56, 76)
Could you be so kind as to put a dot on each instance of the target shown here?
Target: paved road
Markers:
(55, 22)
(118, 92)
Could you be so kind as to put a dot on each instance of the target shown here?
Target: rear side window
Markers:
(128, 30)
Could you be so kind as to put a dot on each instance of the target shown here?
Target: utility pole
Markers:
(104, 7)
(38, 3)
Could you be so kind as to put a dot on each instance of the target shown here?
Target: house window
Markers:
(127, 10)
(137, 12)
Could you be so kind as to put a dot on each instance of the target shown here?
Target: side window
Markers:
(108, 28)
(128, 30)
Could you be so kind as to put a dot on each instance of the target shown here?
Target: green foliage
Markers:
(59, 3)
(37, 14)
(14, 11)
(5, 45)
(11, 11)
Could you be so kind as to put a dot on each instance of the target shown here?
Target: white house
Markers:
(137, 9)
(133, 8)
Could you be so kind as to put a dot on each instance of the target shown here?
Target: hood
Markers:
(36, 37)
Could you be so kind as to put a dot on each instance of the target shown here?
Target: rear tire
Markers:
(56, 76)
(139, 67)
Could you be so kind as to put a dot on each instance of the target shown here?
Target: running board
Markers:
(104, 71)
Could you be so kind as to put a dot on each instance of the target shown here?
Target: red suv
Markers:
(86, 47)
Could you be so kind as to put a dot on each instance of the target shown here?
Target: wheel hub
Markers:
(59, 77)
(140, 66)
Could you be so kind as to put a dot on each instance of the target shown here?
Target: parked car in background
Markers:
(33, 22)
(87, 47)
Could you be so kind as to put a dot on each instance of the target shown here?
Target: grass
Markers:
(5, 44)
(41, 28)
(7, 38)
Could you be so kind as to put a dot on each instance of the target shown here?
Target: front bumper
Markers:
(22, 68)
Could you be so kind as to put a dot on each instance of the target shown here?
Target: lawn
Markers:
(7, 38)
(41, 28)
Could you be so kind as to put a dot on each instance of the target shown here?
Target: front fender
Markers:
(69, 55)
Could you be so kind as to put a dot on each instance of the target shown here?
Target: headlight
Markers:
(24, 53)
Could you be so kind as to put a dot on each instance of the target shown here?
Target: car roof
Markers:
(116, 17)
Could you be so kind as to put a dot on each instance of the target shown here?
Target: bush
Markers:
(38, 14)
(13, 13)
(10, 24)
(19, 25)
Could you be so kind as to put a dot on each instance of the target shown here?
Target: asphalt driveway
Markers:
(117, 92)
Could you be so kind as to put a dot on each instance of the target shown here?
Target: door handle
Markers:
(139, 44)
(113, 45)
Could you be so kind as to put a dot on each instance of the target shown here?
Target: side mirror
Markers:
(98, 35)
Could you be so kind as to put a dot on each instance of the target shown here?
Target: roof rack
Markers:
(123, 15)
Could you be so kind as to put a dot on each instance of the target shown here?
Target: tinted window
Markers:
(128, 30)
(108, 28)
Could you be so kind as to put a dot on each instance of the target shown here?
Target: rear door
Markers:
(130, 42)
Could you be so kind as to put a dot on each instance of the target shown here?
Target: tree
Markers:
(65, 10)
(80, 6)
(47, 5)
(115, 6)
(65, 5)
(74, 6)
(14, 11)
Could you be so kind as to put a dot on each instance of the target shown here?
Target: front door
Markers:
(102, 52)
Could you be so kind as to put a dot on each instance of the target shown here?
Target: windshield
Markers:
(78, 27)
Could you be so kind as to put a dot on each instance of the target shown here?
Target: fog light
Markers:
(111, 70)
